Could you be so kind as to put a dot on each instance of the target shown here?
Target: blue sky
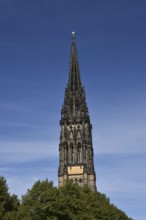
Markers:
(35, 44)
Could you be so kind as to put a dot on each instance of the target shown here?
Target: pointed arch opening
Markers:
(72, 152)
(79, 148)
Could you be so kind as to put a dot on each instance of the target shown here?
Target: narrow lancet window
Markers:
(79, 153)
(72, 153)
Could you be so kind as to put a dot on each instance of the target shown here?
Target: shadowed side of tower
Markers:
(75, 148)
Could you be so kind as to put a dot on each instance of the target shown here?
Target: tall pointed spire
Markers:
(75, 148)
(75, 104)
(74, 82)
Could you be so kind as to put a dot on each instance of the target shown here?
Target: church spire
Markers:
(75, 148)
(74, 82)
(75, 105)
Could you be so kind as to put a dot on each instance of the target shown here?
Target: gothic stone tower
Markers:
(75, 149)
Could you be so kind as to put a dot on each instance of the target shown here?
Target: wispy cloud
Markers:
(120, 135)
(20, 152)
(14, 106)
(26, 182)
(121, 177)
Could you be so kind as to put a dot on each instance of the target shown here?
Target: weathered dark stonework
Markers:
(75, 149)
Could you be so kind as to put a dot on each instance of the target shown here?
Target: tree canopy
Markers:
(46, 202)
(9, 204)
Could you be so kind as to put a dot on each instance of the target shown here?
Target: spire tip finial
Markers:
(73, 35)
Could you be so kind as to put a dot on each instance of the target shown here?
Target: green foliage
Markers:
(46, 202)
(8, 204)
(70, 202)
